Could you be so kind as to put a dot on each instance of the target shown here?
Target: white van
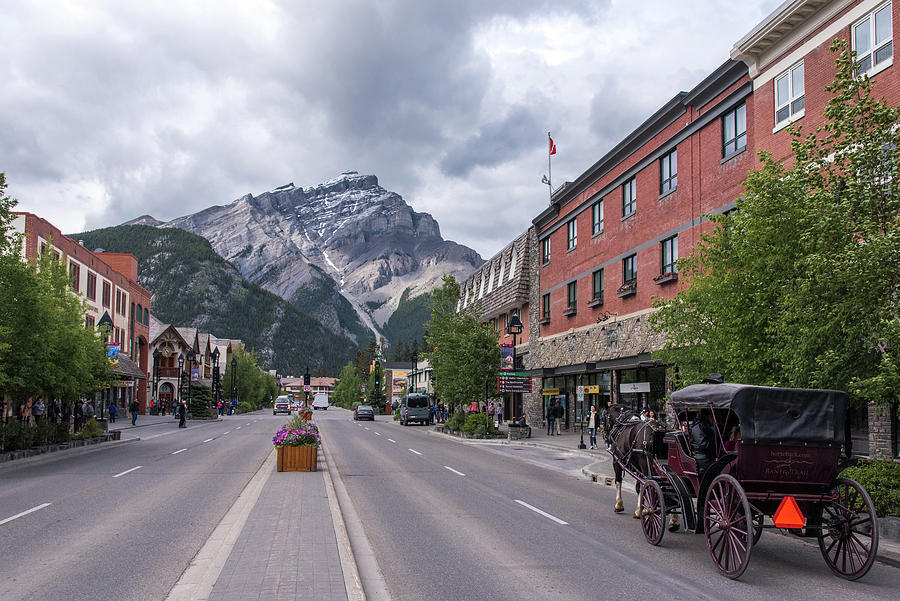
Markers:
(320, 401)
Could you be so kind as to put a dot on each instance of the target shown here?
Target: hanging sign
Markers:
(514, 381)
(635, 387)
(592, 389)
(506, 357)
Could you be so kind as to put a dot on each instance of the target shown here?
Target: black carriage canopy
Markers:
(779, 415)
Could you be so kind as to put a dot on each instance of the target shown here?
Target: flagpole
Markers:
(549, 166)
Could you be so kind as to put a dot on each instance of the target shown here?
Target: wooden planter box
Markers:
(297, 459)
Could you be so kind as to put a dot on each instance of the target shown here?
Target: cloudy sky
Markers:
(110, 110)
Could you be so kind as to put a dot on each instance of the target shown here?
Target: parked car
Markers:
(282, 405)
(320, 401)
(364, 412)
(414, 408)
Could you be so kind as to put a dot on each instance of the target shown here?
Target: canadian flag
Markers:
(552, 145)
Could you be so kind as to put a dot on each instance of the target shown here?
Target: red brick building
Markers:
(108, 284)
(607, 244)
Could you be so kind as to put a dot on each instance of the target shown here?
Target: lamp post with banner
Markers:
(180, 381)
(215, 375)
(514, 327)
(190, 381)
(156, 356)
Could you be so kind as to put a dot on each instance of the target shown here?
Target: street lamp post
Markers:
(215, 358)
(191, 357)
(156, 355)
(581, 444)
(180, 380)
(412, 373)
(233, 388)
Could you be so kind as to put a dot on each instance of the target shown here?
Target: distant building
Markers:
(108, 284)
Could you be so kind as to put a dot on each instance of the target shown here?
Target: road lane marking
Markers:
(239, 427)
(454, 471)
(179, 451)
(392, 440)
(415, 451)
(247, 424)
(128, 471)
(543, 513)
(26, 512)
(367, 427)
(229, 432)
(378, 434)
(208, 439)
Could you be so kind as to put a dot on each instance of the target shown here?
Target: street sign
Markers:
(580, 392)
(635, 387)
(514, 381)
(549, 391)
(592, 389)
(307, 388)
(788, 514)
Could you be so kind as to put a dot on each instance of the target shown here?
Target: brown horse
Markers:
(631, 442)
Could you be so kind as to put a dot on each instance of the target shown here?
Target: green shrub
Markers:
(90, 430)
(455, 422)
(475, 424)
(881, 479)
(47, 432)
(16, 435)
(397, 414)
(245, 407)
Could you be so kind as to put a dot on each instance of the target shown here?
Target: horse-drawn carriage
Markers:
(789, 445)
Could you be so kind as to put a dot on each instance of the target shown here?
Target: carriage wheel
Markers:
(728, 524)
(848, 538)
(653, 512)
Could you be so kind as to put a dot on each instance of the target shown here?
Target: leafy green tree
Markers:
(254, 386)
(376, 395)
(463, 351)
(801, 283)
(347, 390)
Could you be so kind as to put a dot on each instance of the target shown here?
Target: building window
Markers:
(91, 286)
(571, 234)
(545, 250)
(669, 254)
(873, 41)
(107, 293)
(89, 321)
(734, 131)
(789, 98)
(545, 306)
(146, 317)
(75, 276)
(629, 269)
(629, 197)
(573, 295)
(118, 301)
(668, 172)
(597, 218)
(597, 278)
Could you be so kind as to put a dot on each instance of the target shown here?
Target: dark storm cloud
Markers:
(495, 143)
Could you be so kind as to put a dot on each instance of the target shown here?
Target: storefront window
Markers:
(643, 386)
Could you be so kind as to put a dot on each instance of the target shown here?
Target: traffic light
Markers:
(377, 375)
(306, 378)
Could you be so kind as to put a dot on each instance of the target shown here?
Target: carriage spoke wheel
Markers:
(653, 512)
(728, 524)
(848, 538)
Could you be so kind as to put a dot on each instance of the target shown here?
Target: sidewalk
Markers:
(287, 548)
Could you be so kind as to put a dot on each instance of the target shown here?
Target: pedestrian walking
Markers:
(182, 415)
(79, 416)
(134, 408)
(38, 410)
(551, 419)
(593, 420)
(113, 412)
(560, 415)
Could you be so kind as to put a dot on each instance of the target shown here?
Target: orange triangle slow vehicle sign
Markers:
(788, 514)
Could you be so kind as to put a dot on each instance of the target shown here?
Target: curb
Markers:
(64, 454)
(352, 582)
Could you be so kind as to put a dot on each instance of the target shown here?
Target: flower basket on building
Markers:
(297, 448)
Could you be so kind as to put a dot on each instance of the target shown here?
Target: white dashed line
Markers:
(378, 434)
(454, 471)
(207, 440)
(26, 512)
(392, 440)
(239, 427)
(128, 471)
(367, 427)
(415, 451)
(543, 513)
(179, 451)
(247, 424)
(229, 432)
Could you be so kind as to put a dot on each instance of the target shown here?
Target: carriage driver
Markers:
(703, 442)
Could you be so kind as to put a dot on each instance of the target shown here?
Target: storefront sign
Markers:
(592, 389)
(506, 357)
(634, 387)
(550, 391)
(514, 381)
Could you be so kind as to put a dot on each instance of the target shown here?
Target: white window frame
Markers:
(875, 46)
(629, 197)
(597, 218)
(792, 97)
(670, 245)
(572, 234)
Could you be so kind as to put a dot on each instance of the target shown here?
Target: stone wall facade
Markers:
(881, 432)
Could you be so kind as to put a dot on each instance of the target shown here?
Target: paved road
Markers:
(471, 522)
(126, 537)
